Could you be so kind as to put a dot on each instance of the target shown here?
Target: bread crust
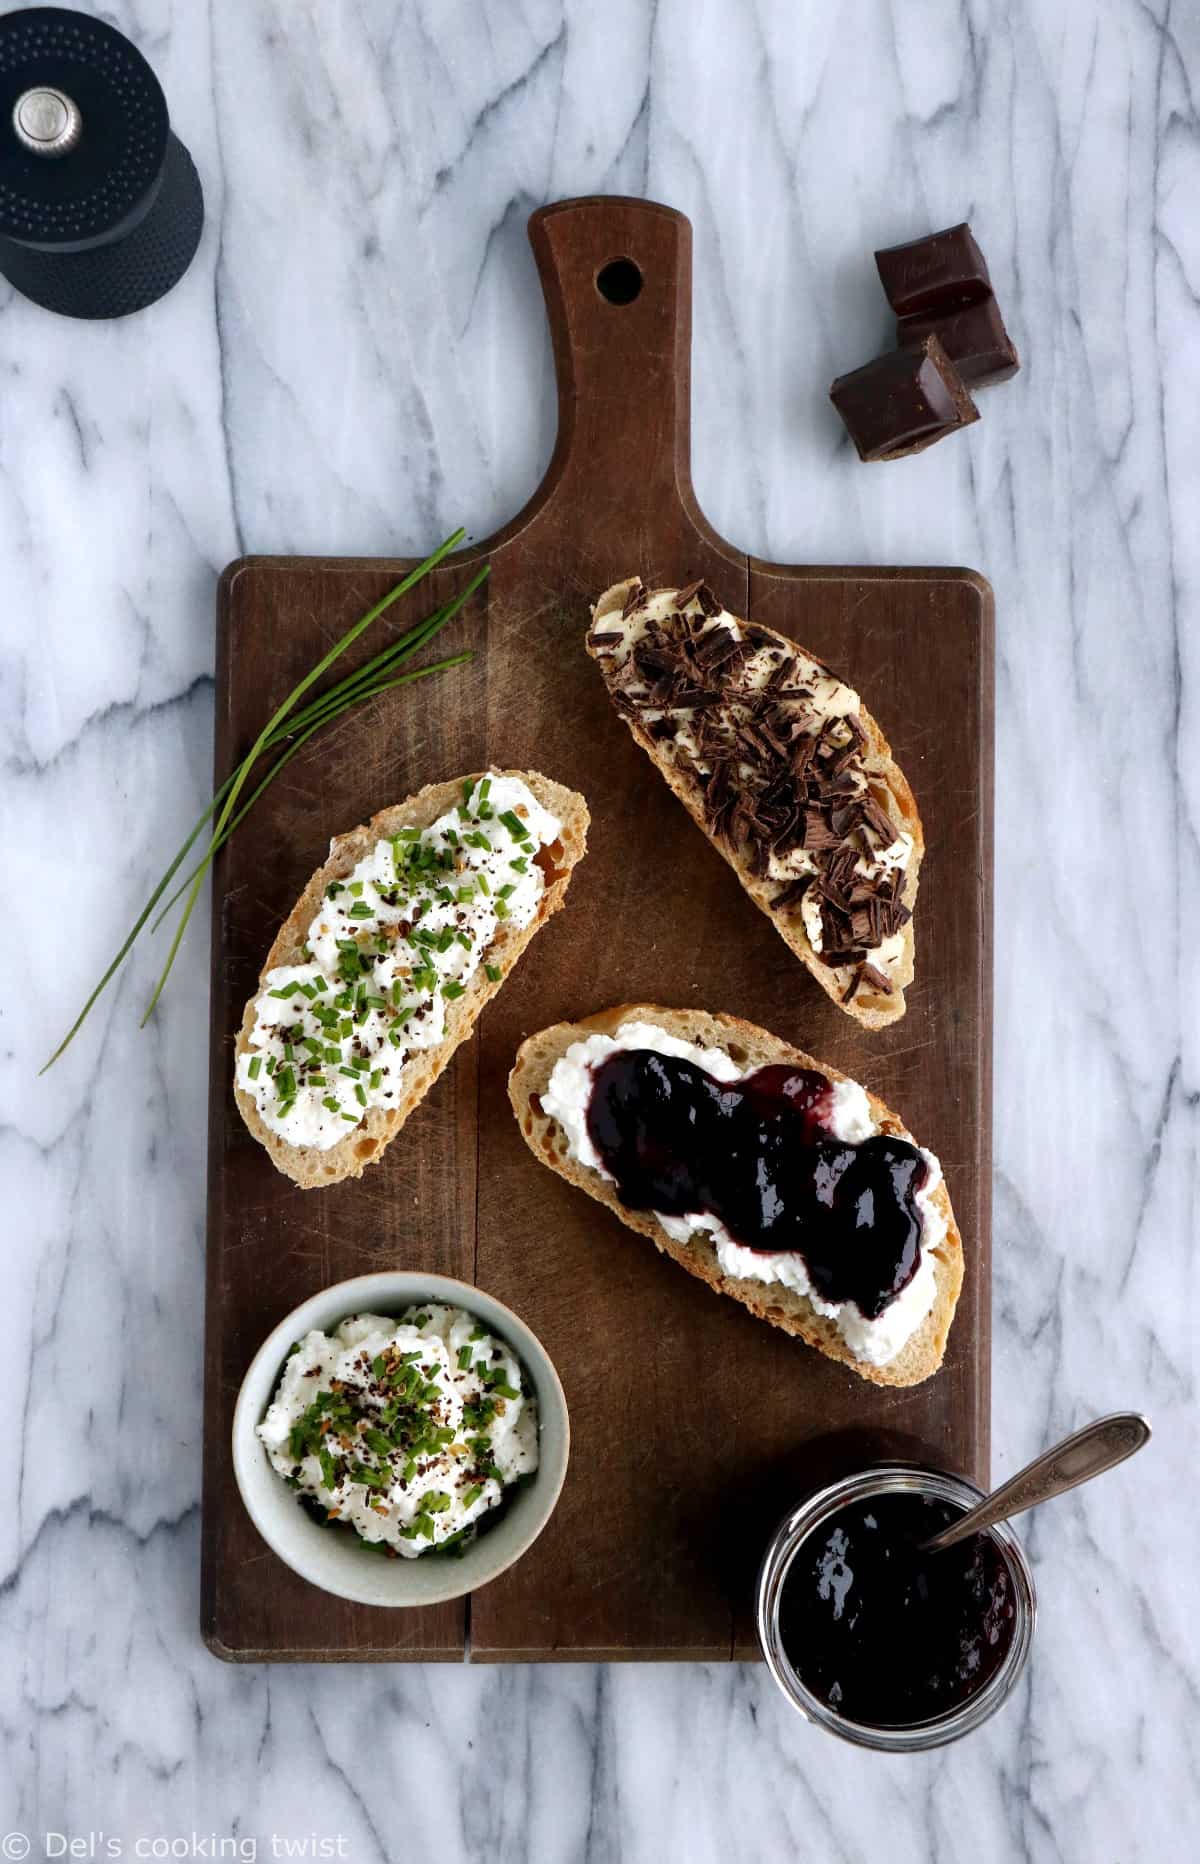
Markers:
(874, 1010)
(750, 1047)
(310, 1167)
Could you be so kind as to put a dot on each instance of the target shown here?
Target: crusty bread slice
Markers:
(873, 1008)
(307, 1165)
(750, 1047)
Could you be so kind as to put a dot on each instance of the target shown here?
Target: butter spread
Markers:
(875, 1341)
(390, 946)
(409, 1431)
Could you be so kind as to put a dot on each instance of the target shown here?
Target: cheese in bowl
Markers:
(411, 1432)
(347, 1449)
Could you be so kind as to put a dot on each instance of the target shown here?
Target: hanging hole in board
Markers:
(619, 281)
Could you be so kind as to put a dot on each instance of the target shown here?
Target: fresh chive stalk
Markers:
(293, 729)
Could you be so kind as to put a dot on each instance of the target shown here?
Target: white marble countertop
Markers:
(356, 362)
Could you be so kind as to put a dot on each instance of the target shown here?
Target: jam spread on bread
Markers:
(757, 1154)
(885, 1634)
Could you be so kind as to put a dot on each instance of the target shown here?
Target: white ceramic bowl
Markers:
(338, 1562)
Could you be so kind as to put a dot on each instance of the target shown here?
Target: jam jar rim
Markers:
(801, 1521)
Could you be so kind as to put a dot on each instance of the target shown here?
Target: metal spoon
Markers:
(1089, 1452)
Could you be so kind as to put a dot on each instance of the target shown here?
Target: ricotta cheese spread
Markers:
(873, 1341)
(390, 946)
(409, 1431)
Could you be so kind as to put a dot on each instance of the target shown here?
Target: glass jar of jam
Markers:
(882, 1644)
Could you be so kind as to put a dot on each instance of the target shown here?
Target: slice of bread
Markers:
(749, 1047)
(310, 1166)
(849, 985)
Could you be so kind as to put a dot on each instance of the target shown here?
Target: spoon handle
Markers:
(1097, 1447)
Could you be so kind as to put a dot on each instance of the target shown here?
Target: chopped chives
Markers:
(360, 1094)
(494, 973)
(464, 1359)
(453, 990)
(255, 1066)
(514, 825)
(472, 1494)
(333, 1105)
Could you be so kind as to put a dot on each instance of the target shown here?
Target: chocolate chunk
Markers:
(974, 338)
(903, 401)
(874, 979)
(938, 273)
(684, 596)
(635, 599)
(600, 637)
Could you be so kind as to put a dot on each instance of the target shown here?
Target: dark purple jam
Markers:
(758, 1155)
(888, 1635)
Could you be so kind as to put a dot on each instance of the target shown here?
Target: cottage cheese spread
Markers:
(408, 1431)
(873, 1341)
(391, 945)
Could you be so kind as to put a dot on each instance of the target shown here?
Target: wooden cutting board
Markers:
(693, 1425)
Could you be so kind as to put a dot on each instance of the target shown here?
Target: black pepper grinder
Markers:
(100, 204)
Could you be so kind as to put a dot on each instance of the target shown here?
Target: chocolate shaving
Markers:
(773, 775)
(792, 894)
(600, 637)
(636, 599)
(878, 822)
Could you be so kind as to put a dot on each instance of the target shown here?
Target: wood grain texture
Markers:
(693, 1425)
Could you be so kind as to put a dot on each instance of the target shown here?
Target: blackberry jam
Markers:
(759, 1154)
(884, 1634)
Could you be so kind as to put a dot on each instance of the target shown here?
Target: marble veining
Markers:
(357, 361)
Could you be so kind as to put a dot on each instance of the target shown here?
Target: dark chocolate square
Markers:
(974, 338)
(903, 401)
(941, 272)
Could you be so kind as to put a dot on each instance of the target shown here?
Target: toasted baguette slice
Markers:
(750, 1048)
(850, 986)
(309, 1166)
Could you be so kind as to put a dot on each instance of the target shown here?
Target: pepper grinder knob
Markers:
(47, 121)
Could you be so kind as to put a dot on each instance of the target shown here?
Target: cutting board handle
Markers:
(617, 279)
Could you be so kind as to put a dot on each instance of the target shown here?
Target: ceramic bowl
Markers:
(337, 1561)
